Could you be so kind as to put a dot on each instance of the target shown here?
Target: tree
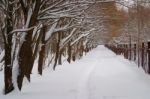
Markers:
(8, 9)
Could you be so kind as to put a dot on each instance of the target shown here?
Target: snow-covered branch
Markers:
(84, 34)
(22, 30)
(65, 40)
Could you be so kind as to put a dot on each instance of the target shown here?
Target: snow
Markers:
(99, 75)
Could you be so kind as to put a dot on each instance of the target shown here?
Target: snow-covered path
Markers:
(99, 75)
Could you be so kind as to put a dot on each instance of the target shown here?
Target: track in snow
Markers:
(116, 78)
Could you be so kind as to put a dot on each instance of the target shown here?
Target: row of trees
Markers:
(136, 24)
(135, 28)
(45, 30)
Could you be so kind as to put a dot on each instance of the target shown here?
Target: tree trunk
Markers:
(69, 53)
(134, 52)
(149, 57)
(130, 51)
(56, 56)
(74, 55)
(41, 59)
(42, 52)
(142, 54)
(57, 51)
(60, 57)
(8, 44)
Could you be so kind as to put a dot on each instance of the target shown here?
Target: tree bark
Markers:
(8, 44)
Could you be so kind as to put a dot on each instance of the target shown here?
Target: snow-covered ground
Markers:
(99, 75)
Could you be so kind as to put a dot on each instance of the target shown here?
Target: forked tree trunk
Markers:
(26, 59)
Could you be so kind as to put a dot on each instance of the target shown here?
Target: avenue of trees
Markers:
(47, 31)
(43, 30)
